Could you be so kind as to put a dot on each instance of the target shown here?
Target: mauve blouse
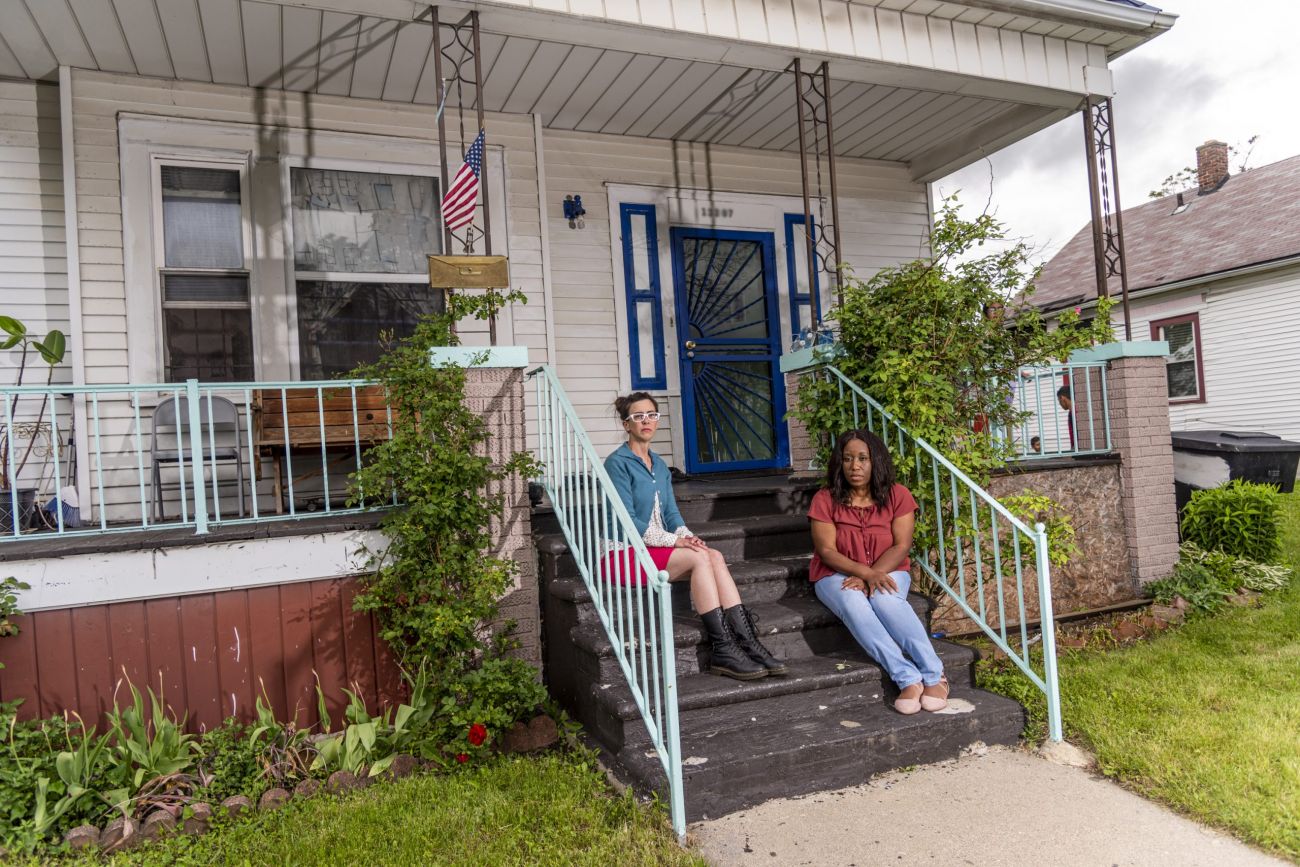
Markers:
(861, 534)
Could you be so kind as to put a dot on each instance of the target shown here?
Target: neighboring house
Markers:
(1214, 270)
(246, 191)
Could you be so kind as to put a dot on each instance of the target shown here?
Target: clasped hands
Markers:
(871, 581)
(693, 542)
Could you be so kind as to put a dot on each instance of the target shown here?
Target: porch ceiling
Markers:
(915, 117)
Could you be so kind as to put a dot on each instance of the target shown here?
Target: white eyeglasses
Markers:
(639, 417)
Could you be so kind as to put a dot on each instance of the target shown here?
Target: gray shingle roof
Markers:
(1253, 218)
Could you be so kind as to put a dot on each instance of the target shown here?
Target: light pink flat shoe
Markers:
(907, 706)
(933, 703)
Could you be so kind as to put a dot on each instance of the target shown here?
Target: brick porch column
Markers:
(803, 451)
(494, 389)
(1139, 423)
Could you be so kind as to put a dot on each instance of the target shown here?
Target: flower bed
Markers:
(66, 786)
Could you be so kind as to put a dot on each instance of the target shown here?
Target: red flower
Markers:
(462, 758)
(477, 734)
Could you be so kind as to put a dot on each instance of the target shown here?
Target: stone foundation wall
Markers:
(1100, 575)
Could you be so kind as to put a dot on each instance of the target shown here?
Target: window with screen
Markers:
(360, 242)
(203, 275)
(1184, 368)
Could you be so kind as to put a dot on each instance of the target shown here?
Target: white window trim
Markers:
(292, 275)
(141, 154)
(141, 137)
(157, 161)
(1159, 325)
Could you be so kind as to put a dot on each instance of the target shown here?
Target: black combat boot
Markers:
(725, 656)
(741, 622)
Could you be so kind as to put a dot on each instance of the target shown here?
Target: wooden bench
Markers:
(292, 420)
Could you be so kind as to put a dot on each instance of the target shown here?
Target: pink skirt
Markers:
(621, 566)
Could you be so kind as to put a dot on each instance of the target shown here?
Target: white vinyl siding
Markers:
(883, 215)
(1249, 348)
(33, 265)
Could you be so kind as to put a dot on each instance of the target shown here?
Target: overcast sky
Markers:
(1227, 71)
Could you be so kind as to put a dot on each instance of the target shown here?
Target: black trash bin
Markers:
(1209, 458)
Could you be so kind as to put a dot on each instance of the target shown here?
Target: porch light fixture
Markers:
(573, 212)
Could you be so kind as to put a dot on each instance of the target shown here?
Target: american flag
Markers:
(458, 204)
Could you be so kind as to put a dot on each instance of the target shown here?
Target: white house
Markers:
(245, 191)
(675, 123)
(1214, 270)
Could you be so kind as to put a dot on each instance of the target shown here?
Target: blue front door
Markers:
(728, 335)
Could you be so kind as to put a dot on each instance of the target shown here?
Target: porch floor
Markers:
(128, 537)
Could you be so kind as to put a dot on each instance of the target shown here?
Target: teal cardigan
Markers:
(637, 486)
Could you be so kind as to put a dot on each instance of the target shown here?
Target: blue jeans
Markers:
(886, 627)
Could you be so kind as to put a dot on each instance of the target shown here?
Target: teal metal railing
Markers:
(975, 546)
(1051, 428)
(631, 595)
(207, 453)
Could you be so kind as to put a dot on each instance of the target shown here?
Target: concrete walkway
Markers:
(993, 807)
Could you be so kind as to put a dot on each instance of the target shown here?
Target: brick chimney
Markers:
(1211, 165)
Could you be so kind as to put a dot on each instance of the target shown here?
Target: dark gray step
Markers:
(791, 628)
(765, 580)
(841, 677)
(738, 756)
(702, 501)
(739, 539)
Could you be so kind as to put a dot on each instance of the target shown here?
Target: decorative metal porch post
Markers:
(1103, 183)
(456, 66)
(813, 104)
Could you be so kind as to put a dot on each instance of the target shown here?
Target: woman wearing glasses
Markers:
(862, 524)
(645, 486)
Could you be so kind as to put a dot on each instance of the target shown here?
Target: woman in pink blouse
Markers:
(862, 524)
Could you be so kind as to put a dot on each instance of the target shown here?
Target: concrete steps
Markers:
(827, 724)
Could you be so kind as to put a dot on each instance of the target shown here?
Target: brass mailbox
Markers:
(469, 272)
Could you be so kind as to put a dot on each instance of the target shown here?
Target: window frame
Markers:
(652, 295)
(293, 275)
(812, 298)
(1195, 320)
(160, 269)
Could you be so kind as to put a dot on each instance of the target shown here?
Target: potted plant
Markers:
(51, 351)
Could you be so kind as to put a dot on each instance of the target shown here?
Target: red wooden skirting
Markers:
(211, 654)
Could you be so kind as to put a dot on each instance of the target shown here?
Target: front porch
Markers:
(683, 132)
(249, 190)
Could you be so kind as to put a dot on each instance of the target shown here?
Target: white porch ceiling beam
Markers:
(515, 18)
(982, 140)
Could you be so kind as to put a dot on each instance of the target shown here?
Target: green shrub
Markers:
(1206, 578)
(932, 341)
(230, 764)
(436, 586)
(1240, 518)
(1195, 582)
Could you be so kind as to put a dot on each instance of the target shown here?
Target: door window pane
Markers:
(342, 325)
(202, 217)
(726, 289)
(363, 222)
(734, 415)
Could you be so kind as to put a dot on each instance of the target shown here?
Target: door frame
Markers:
(767, 243)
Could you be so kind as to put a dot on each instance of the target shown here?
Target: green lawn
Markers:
(1205, 718)
(525, 810)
